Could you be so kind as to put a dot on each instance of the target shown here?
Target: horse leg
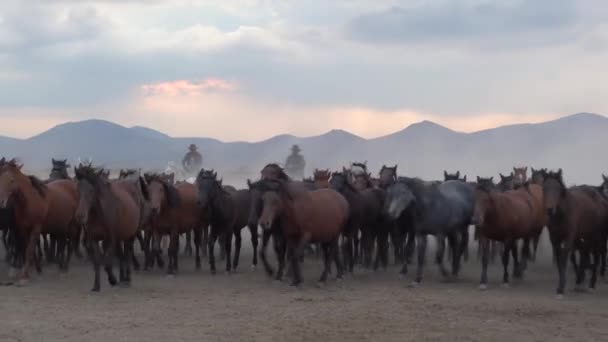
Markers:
(464, 244)
(293, 252)
(596, 261)
(439, 254)
(335, 251)
(266, 234)
(456, 252)
(205, 242)
(505, 261)
(38, 256)
(421, 245)
(347, 252)
(173, 252)
(96, 258)
(228, 247)
(211, 247)
(222, 243)
(188, 247)
(583, 265)
(519, 264)
(120, 254)
(484, 248)
(326, 262)
(280, 247)
(76, 242)
(410, 247)
(254, 242)
(148, 259)
(130, 250)
(535, 242)
(61, 242)
(109, 254)
(197, 247)
(237, 248)
(30, 251)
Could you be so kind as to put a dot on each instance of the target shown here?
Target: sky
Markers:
(251, 69)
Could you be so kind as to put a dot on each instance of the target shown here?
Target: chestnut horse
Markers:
(578, 217)
(306, 216)
(59, 171)
(506, 217)
(111, 212)
(174, 212)
(38, 208)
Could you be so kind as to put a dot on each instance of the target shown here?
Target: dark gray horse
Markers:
(441, 209)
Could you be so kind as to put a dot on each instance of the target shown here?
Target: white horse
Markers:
(179, 173)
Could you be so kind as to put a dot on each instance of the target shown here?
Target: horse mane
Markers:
(343, 174)
(39, 185)
(281, 172)
(90, 174)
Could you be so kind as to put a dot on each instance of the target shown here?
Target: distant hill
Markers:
(577, 143)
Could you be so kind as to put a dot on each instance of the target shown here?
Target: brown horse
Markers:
(578, 217)
(507, 217)
(39, 209)
(307, 216)
(111, 212)
(59, 171)
(174, 212)
(321, 178)
(520, 176)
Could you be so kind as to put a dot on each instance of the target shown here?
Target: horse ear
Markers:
(501, 176)
(525, 169)
(343, 169)
(559, 172)
(365, 163)
(53, 160)
(605, 178)
(514, 169)
(458, 174)
(478, 179)
(492, 179)
(465, 178)
(445, 174)
(220, 181)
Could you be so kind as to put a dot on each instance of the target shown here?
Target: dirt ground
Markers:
(246, 306)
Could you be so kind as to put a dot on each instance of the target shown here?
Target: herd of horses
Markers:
(348, 216)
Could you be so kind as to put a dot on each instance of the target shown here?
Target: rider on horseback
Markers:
(295, 163)
(193, 161)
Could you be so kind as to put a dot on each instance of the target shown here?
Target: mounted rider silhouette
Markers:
(295, 163)
(193, 161)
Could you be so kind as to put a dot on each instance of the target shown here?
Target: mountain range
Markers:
(577, 143)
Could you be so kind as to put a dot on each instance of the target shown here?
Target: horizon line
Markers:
(309, 136)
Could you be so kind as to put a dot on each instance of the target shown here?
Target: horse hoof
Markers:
(483, 287)
(23, 282)
(253, 267)
(506, 285)
(124, 284)
(213, 272)
(320, 284)
(12, 272)
(415, 284)
(559, 297)
(95, 289)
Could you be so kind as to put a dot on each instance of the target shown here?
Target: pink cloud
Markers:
(186, 87)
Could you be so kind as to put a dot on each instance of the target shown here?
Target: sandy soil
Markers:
(246, 306)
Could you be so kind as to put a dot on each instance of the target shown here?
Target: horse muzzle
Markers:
(266, 225)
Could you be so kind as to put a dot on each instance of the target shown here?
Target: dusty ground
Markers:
(196, 306)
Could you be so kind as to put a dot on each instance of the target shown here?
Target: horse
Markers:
(271, 171)
(316, 216)
(507, 182)
(59, 170)
(134, 174)
(453, 176)
(174, 212)
(321, 178)
(228, 214)
(387, 176)
(365, 215)
(506, 216)
(38, 208)
(538, 176)
(578, 217)
(441, 209)
(111, 212)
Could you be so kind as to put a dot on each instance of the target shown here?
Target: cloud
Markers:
(453, 62)
(529, 22)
